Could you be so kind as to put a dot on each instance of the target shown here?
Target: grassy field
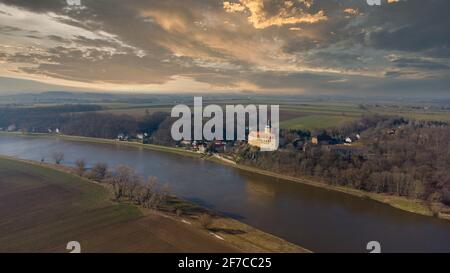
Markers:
(309, 115)
(43, 208)
(313, 122)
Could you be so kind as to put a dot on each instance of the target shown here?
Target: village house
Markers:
(219, 146)
(143, 137)
(352, 139)
(12, 128)
(195, 145)
(122, 137)
(229, 147)
(185, 143)
(201, 149)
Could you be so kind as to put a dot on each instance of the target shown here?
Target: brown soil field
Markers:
(41, 210)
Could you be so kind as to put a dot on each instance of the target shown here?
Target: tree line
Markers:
(80, 120)
(126, 184)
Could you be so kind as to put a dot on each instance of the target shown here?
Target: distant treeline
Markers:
(81, 120)
(40, 118)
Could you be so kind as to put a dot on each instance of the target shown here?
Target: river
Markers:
(314, 218)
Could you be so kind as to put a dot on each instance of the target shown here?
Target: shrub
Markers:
(205, 220)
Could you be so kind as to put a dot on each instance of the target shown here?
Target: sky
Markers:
(244, 46)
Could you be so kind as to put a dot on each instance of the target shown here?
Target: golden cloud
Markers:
(287, 13)
(351, 11)
(233, 7)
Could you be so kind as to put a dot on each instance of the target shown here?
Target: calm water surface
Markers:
(318, 219)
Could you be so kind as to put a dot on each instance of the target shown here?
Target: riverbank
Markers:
(173, 150)
(409, 205)
(162, 230)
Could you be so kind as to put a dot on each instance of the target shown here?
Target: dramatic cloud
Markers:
(264, 14)
(296, 46)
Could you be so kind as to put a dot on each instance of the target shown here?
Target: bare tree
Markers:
(58, 157)
(125, 181)
(80, 166)
(128, 185)
(163, 194)
(150, 195)
(98, 172)
(146, 193)
(205, 220)
(446, 197)
(179, 212)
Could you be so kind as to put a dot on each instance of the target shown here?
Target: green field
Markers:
(314, 122)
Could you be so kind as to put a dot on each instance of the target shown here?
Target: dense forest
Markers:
(394, 155)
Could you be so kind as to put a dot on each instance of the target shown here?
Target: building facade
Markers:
(264, 140)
